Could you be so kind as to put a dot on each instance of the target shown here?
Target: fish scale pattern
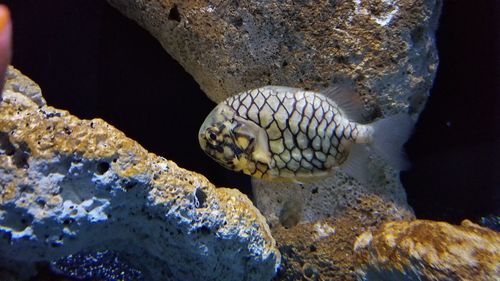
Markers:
(307, 132)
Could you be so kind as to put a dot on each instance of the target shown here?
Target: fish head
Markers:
(222, 138)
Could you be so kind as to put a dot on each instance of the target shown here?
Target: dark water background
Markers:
(94, 62)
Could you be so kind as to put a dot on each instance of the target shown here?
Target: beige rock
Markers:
(385, 47)
(229, 46)
(68, 185)
(427, 250)
(297, 212)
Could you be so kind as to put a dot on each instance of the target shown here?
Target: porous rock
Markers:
(323, 249)
(288, 204)
(339, 202)
(68, 185)
(385, 47)
(427, 250)
(17, 82)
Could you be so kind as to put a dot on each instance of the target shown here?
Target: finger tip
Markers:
(5, 42)
(4, 17)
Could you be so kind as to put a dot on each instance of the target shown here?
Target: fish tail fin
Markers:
(389, 136)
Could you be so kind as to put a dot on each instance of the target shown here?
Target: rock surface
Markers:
(295, 212)
(17, 82)
(68, 185)
(229, 46)
(385, 47)
(323, 250)
(288, 204)
(426, 250)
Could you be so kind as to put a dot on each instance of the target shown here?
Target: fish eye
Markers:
(212, 135)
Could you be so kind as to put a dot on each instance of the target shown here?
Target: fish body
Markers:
(286, 133)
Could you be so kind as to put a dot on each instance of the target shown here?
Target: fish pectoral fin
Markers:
(260, 147)
(261, 151)
(245, 133)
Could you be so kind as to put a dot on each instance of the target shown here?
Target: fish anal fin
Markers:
(356, 164)
(317, 176)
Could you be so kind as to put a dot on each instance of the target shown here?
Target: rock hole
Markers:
(290, 214)
(200, 197)
(237, 21)
(102, 167)
(312, 248)
(174, 14)
(204, 230)
(41, 202)
(26, 189)
(6, 147)
(67, 130)
(130, 185)
(334, 3)
(16, 219)
(21, 156)
(418, 35)
(310, 272)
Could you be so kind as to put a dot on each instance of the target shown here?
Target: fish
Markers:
(282, 133)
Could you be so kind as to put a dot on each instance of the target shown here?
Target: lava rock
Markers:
(428, 250)
(69, 185)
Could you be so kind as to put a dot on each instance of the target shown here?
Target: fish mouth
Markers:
(218, 148)
(215, 151)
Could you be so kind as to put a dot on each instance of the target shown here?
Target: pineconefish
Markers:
(291, 134)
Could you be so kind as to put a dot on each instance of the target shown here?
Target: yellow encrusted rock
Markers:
(428, 250)
(68, 185)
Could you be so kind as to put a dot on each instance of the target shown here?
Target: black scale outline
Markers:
(280, 97)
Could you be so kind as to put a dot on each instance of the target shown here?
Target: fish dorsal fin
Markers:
(281, 89)
(347, 100)
(261, 152)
